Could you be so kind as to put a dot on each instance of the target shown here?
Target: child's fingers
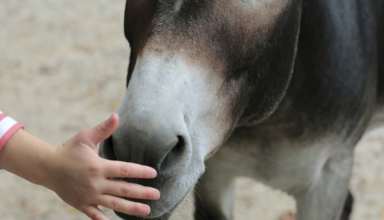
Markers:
(103, 130)
(94, 213)
(118, 169)
(124, 206)
(130, 190)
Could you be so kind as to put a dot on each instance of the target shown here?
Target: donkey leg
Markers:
(214, 194)
(348, 207)
(347, 210)
(325, 199)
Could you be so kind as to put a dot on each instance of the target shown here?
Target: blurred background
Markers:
(63, 67)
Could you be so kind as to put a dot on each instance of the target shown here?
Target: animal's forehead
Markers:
(247, 6)
(244, 4)
(262, 10)
(215, 24)
(256, 3)
(255, 12)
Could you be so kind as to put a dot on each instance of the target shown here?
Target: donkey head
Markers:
(198, 70)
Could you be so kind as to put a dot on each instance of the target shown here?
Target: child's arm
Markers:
(76, 172)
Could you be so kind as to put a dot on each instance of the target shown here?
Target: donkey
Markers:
(277, 90)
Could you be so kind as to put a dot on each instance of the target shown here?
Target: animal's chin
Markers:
(126, 217)
(159, 211)
(173, 193)
(165, 216)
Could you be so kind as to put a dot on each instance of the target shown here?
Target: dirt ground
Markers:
(62, 68)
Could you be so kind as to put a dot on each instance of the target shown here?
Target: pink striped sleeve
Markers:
(8, 127)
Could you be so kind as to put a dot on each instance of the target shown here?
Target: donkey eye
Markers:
(138, 17)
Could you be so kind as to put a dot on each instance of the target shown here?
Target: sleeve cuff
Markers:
(8, 128)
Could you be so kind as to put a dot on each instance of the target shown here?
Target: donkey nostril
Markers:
(174, 154)
(179, 147)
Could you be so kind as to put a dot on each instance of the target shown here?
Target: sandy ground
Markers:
(62, 68)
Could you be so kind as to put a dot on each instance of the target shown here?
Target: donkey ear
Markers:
(274, 67)
(137, 26)
(137, 20)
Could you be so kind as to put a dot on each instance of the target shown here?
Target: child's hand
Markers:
(85, 180)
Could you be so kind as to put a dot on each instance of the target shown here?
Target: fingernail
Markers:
(157, 195)
(143, 210)
(146, 210)
(111, 118)
(153, 173)
(115, 115)
(153, 194)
